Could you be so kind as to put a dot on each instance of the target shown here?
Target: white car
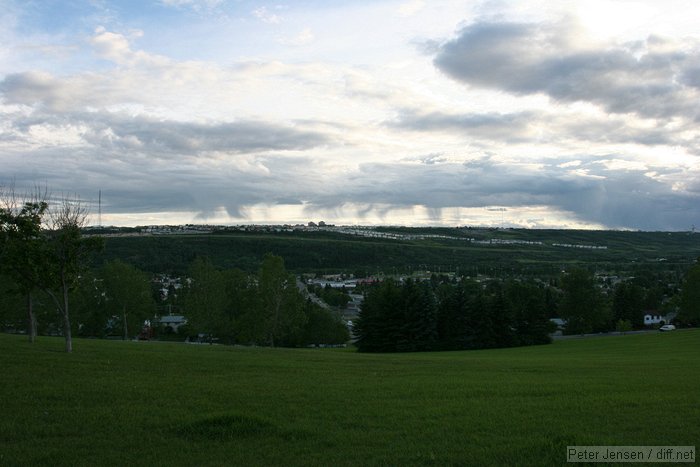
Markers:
(667, 327)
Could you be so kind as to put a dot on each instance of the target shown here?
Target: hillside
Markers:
(469, 251)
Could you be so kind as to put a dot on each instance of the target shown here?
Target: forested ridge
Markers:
(333, 252)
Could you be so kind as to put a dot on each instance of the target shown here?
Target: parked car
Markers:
(667, 327)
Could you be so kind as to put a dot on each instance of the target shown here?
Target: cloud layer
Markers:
(283, 121)
(654, 78)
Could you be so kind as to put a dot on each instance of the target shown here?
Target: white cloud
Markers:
(196, 5)
(266, 16)
(411, 7)
(305, 37)
(608, 20)
(117, 48)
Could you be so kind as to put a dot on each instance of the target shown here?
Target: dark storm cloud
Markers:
(593, 193)
(146, 165)
(29, 88)
(539, 126)
(587, 188)
(691, 77)
(531, 58)
(163, 137)
(238, 137)
(141, 184)
(289, 201)
(509, 127)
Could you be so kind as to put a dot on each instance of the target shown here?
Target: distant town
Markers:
(359, 231)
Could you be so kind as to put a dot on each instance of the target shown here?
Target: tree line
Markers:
(45, 269)
(268, 308)
(588, 307)
(459, 314)
(118, 300)
(431, 315)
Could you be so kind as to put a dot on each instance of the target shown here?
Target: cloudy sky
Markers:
(569, 114)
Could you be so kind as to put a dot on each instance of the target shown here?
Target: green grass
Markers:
(127, 403)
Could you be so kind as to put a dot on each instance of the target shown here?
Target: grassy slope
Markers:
(125, 403)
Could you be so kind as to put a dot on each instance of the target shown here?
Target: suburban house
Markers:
(560, 325)
(651, 318)
(172, 321)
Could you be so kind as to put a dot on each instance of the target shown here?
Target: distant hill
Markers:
(398, 249)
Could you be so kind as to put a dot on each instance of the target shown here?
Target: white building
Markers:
(173, 321)
(653, 318)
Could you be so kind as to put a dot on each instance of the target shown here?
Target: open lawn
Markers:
(149, 403)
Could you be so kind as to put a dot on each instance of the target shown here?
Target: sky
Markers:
(537, 114)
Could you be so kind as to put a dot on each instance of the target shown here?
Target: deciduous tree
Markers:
(128, 293)
(68, 252)
(23, 253)
(281, 304)
(205, 300)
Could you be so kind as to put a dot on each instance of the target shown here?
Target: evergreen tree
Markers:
(582, 304)
(450, 326)
(419, 327)
(378, 325)
(690, 297)
(628, 304)
(503, 320)
(482, 329)
(529, 305)
(466, 316)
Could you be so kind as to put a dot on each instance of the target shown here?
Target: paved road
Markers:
(305, 292)
(603, 334)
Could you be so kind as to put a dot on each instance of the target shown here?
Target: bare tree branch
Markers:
(68, 213)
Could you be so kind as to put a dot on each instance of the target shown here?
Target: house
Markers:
(172, 321)
(652, 317)
(559, 324)
(354, 305)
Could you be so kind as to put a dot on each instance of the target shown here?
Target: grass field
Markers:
(148, 403)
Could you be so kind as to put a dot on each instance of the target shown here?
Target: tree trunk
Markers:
(275, 321)
(66, 316)
(126, 327)
(31, 319)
